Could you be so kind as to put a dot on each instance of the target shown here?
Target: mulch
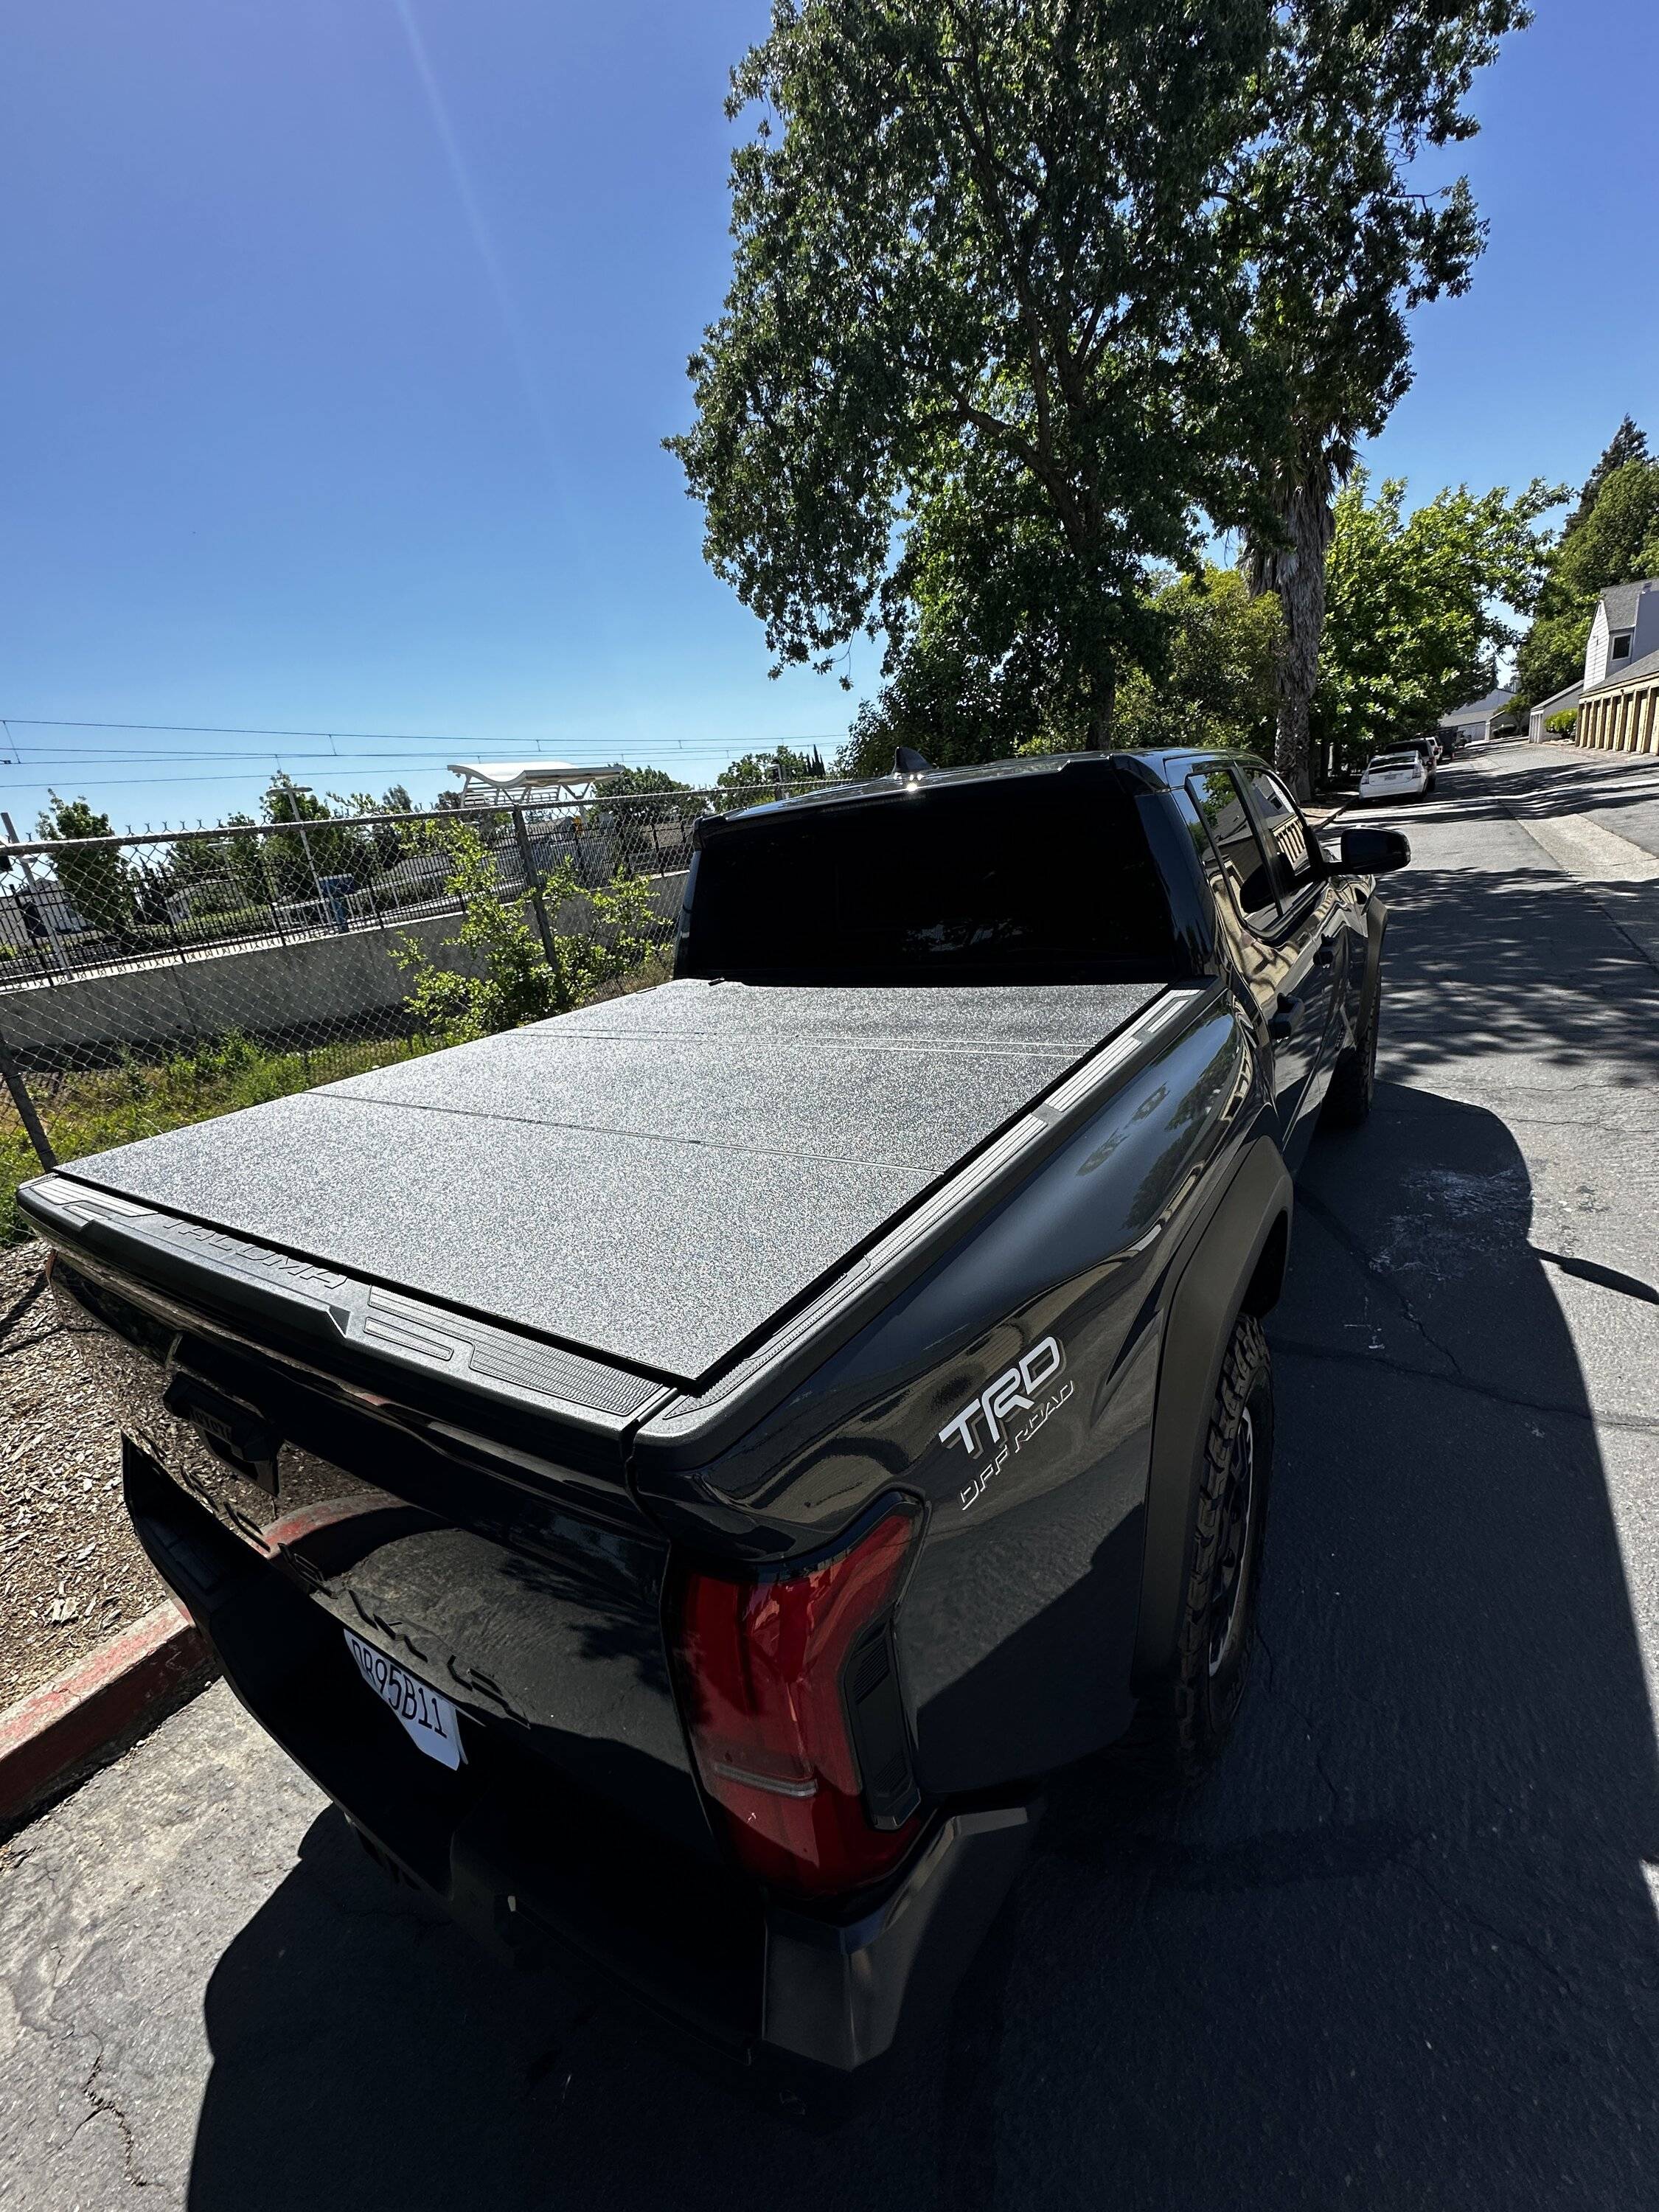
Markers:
(71, 1573)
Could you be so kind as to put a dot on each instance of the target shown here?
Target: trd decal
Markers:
(1014, 1391)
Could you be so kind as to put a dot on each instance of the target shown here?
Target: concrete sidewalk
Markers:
(1616, 793)
(1596, 815)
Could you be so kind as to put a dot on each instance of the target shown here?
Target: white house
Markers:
(1478, 718)
(1625, 628)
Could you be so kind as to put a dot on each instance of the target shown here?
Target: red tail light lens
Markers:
(792, 1701)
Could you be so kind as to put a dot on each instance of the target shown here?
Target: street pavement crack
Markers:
(1633, 1424)
(1333, 1224)
(1302, 1714)
(104, 2106)
(1459, 1910)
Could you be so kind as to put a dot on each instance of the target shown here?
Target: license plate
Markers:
(428, 1716)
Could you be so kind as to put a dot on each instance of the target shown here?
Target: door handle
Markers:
(1286, 1020)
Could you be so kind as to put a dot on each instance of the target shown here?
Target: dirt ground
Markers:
(71, 1570)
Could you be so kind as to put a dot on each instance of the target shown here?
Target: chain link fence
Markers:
(146, 981)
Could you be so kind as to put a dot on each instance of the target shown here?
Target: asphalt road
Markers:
(1400, 1952)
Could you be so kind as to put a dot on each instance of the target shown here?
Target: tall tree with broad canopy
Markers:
(1414, 608)
(1611, 536)
(1342, 247)
(979, 324)
(1021, 288)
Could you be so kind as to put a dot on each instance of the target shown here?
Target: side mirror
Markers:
(1374, 851)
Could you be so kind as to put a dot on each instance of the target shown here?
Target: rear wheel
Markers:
(1187, 1728)
(1353, 1079)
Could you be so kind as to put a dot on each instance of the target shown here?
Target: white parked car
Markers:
(1395, 775)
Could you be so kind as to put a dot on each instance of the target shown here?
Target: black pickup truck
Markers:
(680, 1475)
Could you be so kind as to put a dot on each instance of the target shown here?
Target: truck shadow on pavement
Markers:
(1399, 1950)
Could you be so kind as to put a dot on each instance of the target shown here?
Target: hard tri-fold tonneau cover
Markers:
(652, 1183)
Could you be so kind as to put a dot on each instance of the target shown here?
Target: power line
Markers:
(229, 730)
(352, 763)
(365, 737)
(70, 755)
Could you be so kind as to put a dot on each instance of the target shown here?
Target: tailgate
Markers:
(481, 1543)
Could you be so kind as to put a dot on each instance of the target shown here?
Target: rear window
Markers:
(1045, 879)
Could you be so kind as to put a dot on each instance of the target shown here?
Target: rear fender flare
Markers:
(1249, 1229)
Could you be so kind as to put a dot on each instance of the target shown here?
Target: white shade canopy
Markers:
(496, 783)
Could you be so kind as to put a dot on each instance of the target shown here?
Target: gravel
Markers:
(71, 1573)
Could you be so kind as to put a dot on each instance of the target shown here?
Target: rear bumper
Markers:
(545, 1873)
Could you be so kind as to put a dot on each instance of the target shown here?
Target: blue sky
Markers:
(340, 337)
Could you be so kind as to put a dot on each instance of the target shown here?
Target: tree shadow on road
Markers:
(1466, 980)
(1399, 1951)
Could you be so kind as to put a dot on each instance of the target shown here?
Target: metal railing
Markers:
(150, 980)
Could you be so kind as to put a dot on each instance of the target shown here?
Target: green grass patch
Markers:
(94, 1112)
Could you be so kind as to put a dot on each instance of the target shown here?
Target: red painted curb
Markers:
(95, 1707)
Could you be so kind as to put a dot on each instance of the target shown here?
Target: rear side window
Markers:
(1238, 849)
(1040, 879)
(1286, 831)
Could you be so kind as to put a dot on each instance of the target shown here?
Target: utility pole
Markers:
(295, 792)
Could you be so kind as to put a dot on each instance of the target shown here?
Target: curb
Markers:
(95, 1708)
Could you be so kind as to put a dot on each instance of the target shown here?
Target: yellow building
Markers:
(1620, 714)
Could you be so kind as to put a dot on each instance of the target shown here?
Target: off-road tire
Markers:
(1353, 1079)
(1217, 1622)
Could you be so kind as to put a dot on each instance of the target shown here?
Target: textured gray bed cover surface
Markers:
(651, 1179)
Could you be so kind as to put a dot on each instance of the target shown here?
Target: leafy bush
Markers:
(518, 983)
(1564, 724)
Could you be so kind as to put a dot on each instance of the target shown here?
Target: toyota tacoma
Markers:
(680, 1475)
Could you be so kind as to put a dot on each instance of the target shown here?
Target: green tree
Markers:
(1340, 246)
(654, 801)
(325, 846)
(980, 668)
(1216, 681)
(635, 781)
(640, 786)
(96, 879)
(1613, 538)
(754, 776)
(513, 980)
(981, 287)
(1627, 443)
(381, 842)
(1414, 608)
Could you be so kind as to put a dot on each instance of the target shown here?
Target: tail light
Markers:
(790, 1688)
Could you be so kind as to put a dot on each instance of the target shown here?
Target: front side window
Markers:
(1621, 647)
(1288, 832)
(1238, 849)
